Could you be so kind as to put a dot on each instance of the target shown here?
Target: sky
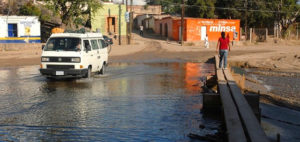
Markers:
(135, 2)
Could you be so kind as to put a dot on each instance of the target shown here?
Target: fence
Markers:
(293, 34)
(258, 34)
(263, 34)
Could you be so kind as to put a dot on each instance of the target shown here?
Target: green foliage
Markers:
(154, 2)
(29, 9)
(287, 13)
(168, 6)
(201, 8)
(11, 8)
(172, 7)
(261, 13)
(146, 6)
(73, 10)
(232, 11)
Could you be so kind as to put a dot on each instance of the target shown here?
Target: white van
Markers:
(74, 55)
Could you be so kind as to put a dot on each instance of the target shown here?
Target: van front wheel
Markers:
(88, 74)
(102, 71)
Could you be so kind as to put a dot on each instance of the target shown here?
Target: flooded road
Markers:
(132, 102)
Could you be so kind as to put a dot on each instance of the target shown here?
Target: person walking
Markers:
(206, 43)
(141, 30)
(223, 47)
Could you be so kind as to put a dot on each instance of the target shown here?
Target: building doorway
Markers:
(203, 32)
(111, 27)
(166, 30)
(160, 29)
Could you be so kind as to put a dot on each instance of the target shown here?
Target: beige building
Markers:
(149, 23)
(141, 10)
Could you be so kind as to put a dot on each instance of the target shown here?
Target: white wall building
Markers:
(20, 29)
(140, 19)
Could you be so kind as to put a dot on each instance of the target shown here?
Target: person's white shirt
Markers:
(141, 28)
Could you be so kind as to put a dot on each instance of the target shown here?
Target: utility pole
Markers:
(127, 24)
(297, 32)
(246, 20)
(182, 21)
(119, 24)
(280, 25)
(131, 21)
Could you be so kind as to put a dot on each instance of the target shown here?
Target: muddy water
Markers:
(132, 102)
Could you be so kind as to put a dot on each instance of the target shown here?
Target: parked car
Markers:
(74, 55)
(108, 40)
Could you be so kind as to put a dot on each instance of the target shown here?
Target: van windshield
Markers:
(63, 44)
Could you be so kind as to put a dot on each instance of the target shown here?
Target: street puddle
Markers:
(132, 102)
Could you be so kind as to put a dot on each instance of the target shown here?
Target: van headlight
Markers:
(76, 60)
(45, 59)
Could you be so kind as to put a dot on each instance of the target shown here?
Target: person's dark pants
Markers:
(223, 58)
(141, 33)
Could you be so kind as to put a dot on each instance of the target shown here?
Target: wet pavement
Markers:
(132, 102)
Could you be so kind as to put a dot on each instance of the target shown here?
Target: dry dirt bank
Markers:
(283, 56)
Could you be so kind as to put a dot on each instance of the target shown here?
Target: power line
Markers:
(250, 2)
(229, 8)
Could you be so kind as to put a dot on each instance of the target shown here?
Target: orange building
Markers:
(195, 29)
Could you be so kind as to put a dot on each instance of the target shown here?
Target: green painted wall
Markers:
(99, 19)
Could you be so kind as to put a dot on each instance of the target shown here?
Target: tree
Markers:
(261, 13)
(168, 6)
(11, 8)
(287, 12)
(154, 2)
(201, 8)
(29, 9)
(74, 12)
(1, 7)
(230, 9)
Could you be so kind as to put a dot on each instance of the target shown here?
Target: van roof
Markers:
(79, 35)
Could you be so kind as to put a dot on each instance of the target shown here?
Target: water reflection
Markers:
(133, 102)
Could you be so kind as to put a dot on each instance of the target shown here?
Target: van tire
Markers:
(102, 71)
(89, 73)
(50, 78)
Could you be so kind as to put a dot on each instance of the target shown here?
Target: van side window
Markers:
(104, 45)
(86, 44)
(100, 44)
(94, 44)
